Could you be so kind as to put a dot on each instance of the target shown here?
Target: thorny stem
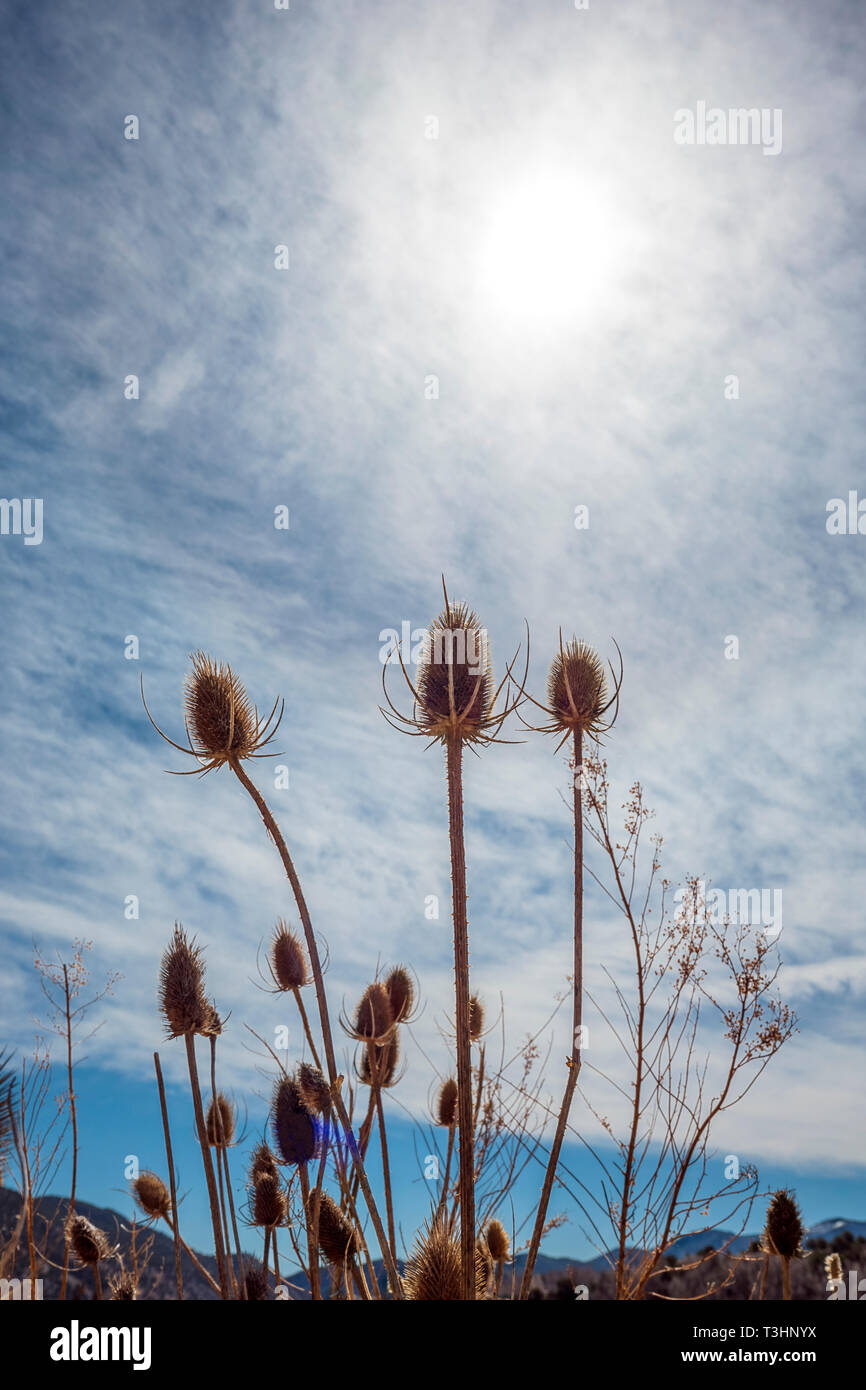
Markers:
(574, 1063)
(306, 1022)
(210, 1179)
(174, 1226)
(315, 964)
(454, 755)
(443, 1197)
(220, 1151)
(386, 1173)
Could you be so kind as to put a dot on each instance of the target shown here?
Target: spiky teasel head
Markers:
(288, 960)
(255, 1285)
(315, 1091)
(373, 1021)
(152, 1195)
(182, 999)
(338, 1239)
(833, 1266)
(579, 697)
(89, 1243)
(433, 1273)
(382, 1068)
(483, 1268)
(222, 723)
(263, 1162)
(476, 1018)
(497, 1241)
(220, 1121)
(293, 1125)
(269, 1202)
(454, 697)
(446, 1104)
(122, 1288)
(783, 1234)
(401, 993)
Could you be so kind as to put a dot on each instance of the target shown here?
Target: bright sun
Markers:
(550, 252)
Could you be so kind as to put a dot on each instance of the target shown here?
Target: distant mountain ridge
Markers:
(159, 1278)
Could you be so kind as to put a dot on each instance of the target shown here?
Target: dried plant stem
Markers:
(315, 1287)
(74, 1118)
(220, 1148)
(321, 999)
(312, 1252)
(574, 1067)
(241, 1285)
(765, 1271)
(266, 1269)
(386, 1172)
(306, 1022)
(786, 1279)
(443, 1197)
(276, 1256)
(96, 1279)
(189, 1039)
(194, 1257)
(170, 1158)
(454, 756)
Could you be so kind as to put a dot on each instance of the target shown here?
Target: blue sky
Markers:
(581, 367)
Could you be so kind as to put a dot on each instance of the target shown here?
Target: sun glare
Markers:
(550, 251)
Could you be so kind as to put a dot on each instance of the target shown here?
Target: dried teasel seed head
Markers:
(263, 1162)
(476, 1018)
(783, 1234)
(401, 993)
(255, 1285)
(181, 987)
(497, 1241)
(577, 689)
(446, 1104)
(220, 1122)
(288, 959)
(338, 1239)
(293, 1125)
(315, 1091)
(269, 1202)
(455, 682)
(373, 1017)
(151, 1194)
(89, 1243)
(221, 720)
(833, 1266)
(386, 1059)
(433, 1273)
(483, 1268)
(122, 1288)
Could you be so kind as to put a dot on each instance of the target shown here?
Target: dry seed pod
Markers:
(401, 993)
(89, 1243)
(263, 1162)
(293, 1126)
(833, 1266)
(338, 1239)
(288, 960)
(219, 715)
(220, 1122)
(315, 1091)
(476, 1018)
(497, 1241)
(373, 1017)
(455, 683)
(122, 1288)
(255, 1285)
(434, 1270)
(577, 689)
(152, 1195)
(181, 989)
(446, 1104)
(269, 1202)
(784, 1229)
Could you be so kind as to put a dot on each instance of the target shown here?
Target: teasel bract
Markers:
(187, 1012)
(224, 729)
(455, 704)
(783, 1234)
(580, 705)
